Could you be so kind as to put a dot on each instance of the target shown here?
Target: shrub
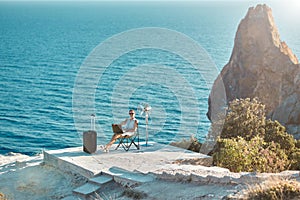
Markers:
(230, 154)
(249, 142)
(275, 132)
(277, 160)
(297, 144)
(238, 155)
(275, 189)
(245, 118)
(295, 159)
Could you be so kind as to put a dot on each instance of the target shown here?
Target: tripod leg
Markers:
(146, 129)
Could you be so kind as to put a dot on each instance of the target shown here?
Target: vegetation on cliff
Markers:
(249, 142)
(274, 189)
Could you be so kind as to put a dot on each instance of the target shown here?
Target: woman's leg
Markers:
(113, 140)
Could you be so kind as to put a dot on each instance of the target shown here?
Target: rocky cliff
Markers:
(263, 66)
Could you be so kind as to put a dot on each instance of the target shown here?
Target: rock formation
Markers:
(262, 66)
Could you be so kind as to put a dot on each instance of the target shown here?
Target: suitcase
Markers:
(90, 141)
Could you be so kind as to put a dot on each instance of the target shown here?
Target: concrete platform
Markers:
(148, 159)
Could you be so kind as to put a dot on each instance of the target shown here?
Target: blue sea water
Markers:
(43, 46)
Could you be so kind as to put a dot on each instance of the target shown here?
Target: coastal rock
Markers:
(262, 66)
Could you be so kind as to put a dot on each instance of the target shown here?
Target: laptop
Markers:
(117, 129)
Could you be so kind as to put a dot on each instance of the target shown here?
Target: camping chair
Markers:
(128, 139)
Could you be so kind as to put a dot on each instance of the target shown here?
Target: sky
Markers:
(283, 1)
(289, 8)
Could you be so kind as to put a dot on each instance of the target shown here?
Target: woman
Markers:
(128, 126)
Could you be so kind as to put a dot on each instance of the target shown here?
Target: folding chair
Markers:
(129, 139)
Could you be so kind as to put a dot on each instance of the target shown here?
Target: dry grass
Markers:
(274, 189)
(134, 194)
(2, 196)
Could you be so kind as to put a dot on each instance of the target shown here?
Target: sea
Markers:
(45, 47)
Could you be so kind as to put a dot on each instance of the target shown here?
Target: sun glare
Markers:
(290, 7)
(295, 4)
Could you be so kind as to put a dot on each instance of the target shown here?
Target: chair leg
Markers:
(138, 142)
(132, 141)
(127, 142)
(120, 142)
(124, 142)
(125, 145)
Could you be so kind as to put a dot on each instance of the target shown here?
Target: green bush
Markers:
(295, 157)
(295, 160)
(238, 155)
(245, 118)
(275, 132)
(297, 144)
(249, 142)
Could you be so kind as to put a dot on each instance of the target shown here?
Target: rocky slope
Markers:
(263, 66)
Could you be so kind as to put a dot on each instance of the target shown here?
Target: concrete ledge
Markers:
(65, 166)
(145, 160)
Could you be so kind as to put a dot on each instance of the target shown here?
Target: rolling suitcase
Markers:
(90, 141)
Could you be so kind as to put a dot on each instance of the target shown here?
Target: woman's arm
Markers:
(123, 122)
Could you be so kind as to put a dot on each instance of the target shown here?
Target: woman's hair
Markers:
(131, 110)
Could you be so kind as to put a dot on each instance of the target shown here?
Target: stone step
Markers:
(100, 180)
(128, 178)
(85, 190)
